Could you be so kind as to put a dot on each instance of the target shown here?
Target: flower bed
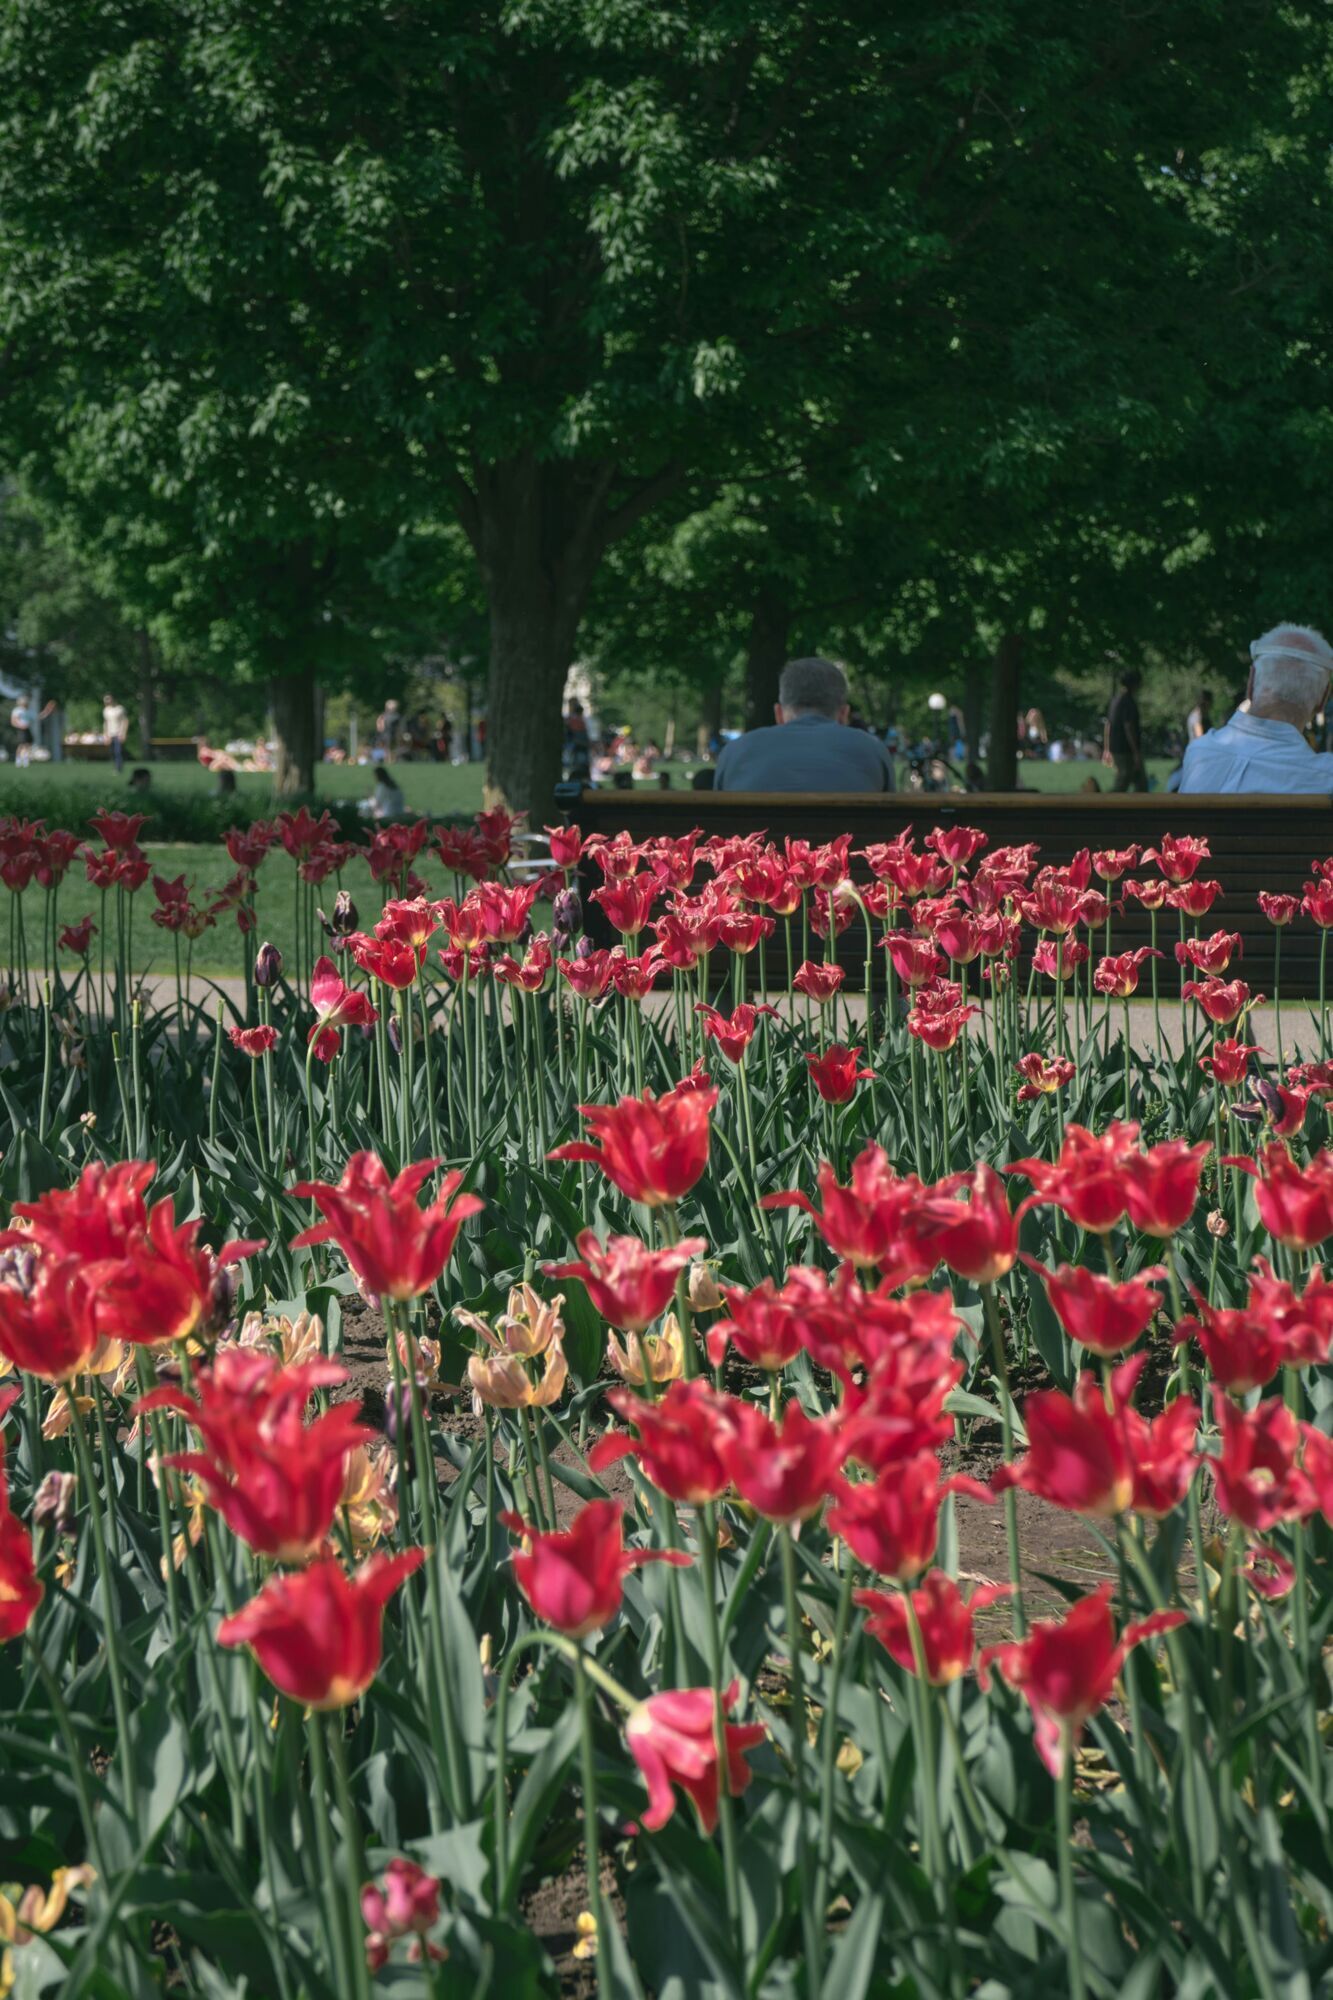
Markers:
(824, 1504)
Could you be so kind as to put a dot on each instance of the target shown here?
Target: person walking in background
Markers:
(1264, 748)
(21, 722)
(1124, 739)
(1200, 718)
(115, 728)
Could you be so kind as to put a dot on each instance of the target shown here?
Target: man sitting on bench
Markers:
(810, 748)
(1263, 749)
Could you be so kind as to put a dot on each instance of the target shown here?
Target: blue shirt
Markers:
(1253, 753)
(811, 753)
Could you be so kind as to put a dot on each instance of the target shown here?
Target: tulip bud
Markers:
(704, 1294)
(53, 1505)
(395, 1035)
(567, 910)
(268, 965)
(560, 942)
(344, 918)
(1217, 1223)
(583, 949)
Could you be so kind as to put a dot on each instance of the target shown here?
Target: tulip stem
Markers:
(78, 1763)
(1007, 1436)
(828, 1774)
(333, 1917)
(725, 1807)
(591, 1844)
(106, 1581)
(811, 1918)
(1064, 1834)
(353, 1852)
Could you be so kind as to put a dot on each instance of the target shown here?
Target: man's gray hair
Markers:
(1292, 663)
(812, 687)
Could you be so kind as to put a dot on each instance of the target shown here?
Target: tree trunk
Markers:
(147, 697)
(293, 700)
(539, 530)
(766, 653)
(1002, 763)
(531, 648)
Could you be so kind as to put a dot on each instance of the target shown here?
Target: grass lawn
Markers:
(50, 789)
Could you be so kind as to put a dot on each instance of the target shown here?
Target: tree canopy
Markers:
(882, 313)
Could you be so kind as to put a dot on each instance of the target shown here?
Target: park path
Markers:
(1300, 1027)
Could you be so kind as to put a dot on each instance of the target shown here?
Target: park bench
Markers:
(1257, 841)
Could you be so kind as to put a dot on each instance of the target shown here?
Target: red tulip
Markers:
(1317, 902)
(1162, 1452)
(1151, 894)
(635, 978)
(1295, 1203)
(1088, 1181)
(1098, 1312)
(566, 845)
(1113, 862)
(78, 937)
(679, 1440)
(1057, 958)
(50, 1330)
(629, 1284)
(628, 903)
(1228, 1062)
(1279, 910)
(869, 1220)
(395, 1247)
(818, 981)
(978, 1238)
(1222, 1000)
(671, 1738)
(766, 1326)
(1302, 1325)
(915, 960)
(1054, 903)
(574, 1578)
(336, 1006)
(653, 1149)
(253, 1041)
(1067, 1668)
(588, 977)
(944, 1620)
(505, 909)
(1212, 954)
(1256, 1477)
(786, 1470)
(1162, 1185)
(939, 1028)
(742, 931)
(1195, 899)
(393, 964)
(117, 829)
(275, 1480)
(835, 1074)
(959, 938)
(1178, 858)
(1242, 1347)
(20, 1591)
(1078, 1454)
(1043, 1077)
(1318, 1464)
(733, 1034)
(892, 1524)
(1118, 977)
(318, 1635)
(412, 921)
(957, 844)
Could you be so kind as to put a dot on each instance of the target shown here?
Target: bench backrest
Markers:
(1258, 841)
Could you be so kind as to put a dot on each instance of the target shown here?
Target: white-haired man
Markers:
(1263, 748)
